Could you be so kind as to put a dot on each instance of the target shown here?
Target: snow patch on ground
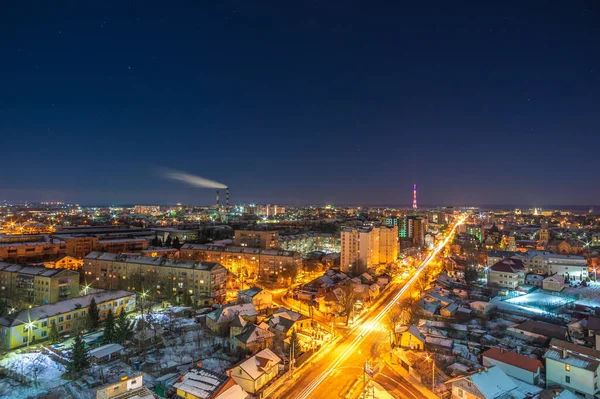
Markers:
(38, 368)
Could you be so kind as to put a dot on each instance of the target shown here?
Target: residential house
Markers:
(514, 364)
(482, 307)
(412, 338)
(573, 367)
(127, 387)
(253, 339)
(507, 273)
(200, 383)
(489, 383)
(450, 310)
(531, 330)
(260, 298)
(219, 320)
(254, 373)
(554, 283)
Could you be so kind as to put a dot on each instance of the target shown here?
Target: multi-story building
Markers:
(401, 222)
(245, 262)
(33, 325)
(162, 277)
(574, 367)
(417, 228)
(31, 248)
(79, 245)
(33, 285)
(571, 267)
(309, 242)
(365, 247)
(388, 244)
(182, 235)
(265, 239)
(508, 273)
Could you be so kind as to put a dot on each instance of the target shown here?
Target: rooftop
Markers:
(54, 309)
(154, 261)
(514, 359)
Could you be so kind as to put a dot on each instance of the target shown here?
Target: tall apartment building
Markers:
(25, 286)
(162, 277)
(15, 330)
(365, 247)
(417, 228)
(401, 222)
(257, 239)
(253, 263)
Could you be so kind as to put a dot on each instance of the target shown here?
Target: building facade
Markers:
(162, 277)
(363, 248)
(24, 286)
(508, 273)
(574, 367)
(257, 239)
(245, 262)
(33, 325)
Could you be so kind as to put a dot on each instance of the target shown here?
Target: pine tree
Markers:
(155, 241)
(176, 243)
(93, 316)
(168, 241)
(123, 327)
(187, 298)
(109, 329)
(79, 359)
(295, 342)
(53, 334)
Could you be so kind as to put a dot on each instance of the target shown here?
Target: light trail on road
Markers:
(304, 394)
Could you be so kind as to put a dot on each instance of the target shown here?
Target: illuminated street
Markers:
(336, 378)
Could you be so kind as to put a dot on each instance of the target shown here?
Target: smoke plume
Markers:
(195, 181)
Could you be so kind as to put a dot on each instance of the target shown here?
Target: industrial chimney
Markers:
(227, 197)
(217, 198)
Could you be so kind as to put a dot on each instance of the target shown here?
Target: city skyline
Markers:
(308, 103)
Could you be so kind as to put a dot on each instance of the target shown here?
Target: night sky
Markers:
(296, 102)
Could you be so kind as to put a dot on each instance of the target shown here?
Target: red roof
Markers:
(508, 265)
(514, 359)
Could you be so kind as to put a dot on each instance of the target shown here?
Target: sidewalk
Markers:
(394, 365)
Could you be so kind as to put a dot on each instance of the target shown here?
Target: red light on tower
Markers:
(414, 196)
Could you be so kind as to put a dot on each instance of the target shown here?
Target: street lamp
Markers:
(432, 372)
(29, 326)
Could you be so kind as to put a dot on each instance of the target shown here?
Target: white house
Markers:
(554, 283)
(574, 367)
(257, 371)
(489, 383)
(514, 364)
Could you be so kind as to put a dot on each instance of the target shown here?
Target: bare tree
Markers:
(422, 282)
(394, 318)
(346, 300)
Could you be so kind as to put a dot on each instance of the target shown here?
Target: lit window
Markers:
(568, 367)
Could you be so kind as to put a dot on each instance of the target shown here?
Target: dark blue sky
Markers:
(302, 101)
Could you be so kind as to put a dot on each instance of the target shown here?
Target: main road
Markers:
(339, 373)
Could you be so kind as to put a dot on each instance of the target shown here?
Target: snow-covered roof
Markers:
(226, 314)
(416, 333)
(492, 382)
(201, 383)
(255, 365)
(105, 350)
(154, 261)
(54, 309)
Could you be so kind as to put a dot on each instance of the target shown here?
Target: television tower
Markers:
(414, 196)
